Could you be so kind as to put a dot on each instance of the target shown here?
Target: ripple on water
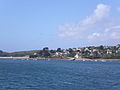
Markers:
(59, 75)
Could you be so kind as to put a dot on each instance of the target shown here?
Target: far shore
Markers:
(72, 59)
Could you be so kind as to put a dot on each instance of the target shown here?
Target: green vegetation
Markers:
(91, 52)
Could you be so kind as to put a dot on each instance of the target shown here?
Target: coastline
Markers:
(72, 59)
(14, 57)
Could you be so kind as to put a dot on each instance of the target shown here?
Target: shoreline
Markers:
(72, 59)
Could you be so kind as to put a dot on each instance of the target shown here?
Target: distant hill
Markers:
(18, 54)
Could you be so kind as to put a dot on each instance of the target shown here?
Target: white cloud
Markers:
(94, 35)
(98, 27)
(110, 34)
(78, 29)
(113, 32)
(67, 33)
(101, 12)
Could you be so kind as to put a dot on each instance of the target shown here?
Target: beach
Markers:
(81, 59)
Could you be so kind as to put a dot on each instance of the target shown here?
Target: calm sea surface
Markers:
(59, 75)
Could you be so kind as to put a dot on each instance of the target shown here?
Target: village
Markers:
(91, 52)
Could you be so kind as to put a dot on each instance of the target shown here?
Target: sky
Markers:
(35, 24)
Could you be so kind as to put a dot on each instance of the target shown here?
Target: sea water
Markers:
(59, 75)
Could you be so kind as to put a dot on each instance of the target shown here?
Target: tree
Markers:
(52, 51)
(1, 51)
(40, 53)
(45, 49)
(46, 52)
(101, 47)
(59, 50)
(70, 50)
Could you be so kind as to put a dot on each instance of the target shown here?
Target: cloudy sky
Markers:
(34, 24)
